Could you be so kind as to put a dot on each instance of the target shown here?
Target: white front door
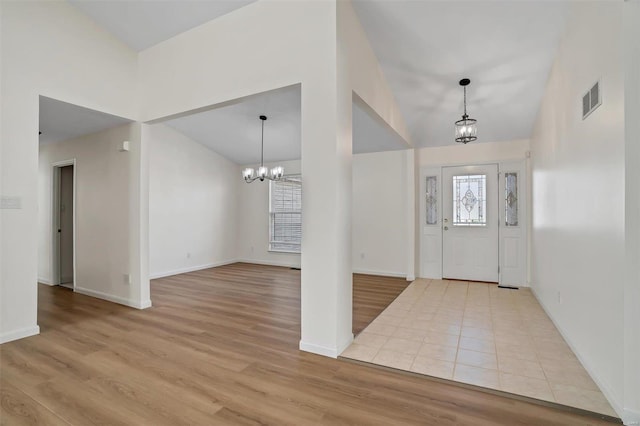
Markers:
(470, 223)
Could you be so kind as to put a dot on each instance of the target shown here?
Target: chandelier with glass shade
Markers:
(466, 129)
(250, 175)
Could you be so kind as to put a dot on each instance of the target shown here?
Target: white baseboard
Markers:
(156, 275)
(380, 273)
(10, 336)
(523, 285)
(144, 305)
(606, 391)
(324, 351)
(45, 281)
(345, 344)
(411, 277)
(112, 298)
(428, 277)
(319, 350)
(270, 263)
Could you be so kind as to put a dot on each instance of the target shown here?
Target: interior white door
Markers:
(470, 223)
(66, 225)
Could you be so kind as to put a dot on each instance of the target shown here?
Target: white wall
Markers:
(578, 169)
(632, 211)
(103, 182)
(76, 62)
(362, 72)
(473, 153)
(379, 221)
(253, 221)
(378, 216)
(193, 204)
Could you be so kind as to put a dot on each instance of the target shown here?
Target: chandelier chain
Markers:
(465, 101)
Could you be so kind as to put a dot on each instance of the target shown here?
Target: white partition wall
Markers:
(302, 42)
(77, 63)
(83, 64)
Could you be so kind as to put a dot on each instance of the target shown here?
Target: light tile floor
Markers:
(479, 334)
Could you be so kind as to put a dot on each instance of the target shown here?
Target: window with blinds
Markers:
(285, 214)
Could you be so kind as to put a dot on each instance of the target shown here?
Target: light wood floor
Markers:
(220, 346)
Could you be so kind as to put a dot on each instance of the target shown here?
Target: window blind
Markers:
(285, 214)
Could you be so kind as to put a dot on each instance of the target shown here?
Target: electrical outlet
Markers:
(361, 255)
(127, 279)
(188, 255)
(251, 249)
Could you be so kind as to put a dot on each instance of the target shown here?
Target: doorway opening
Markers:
(63, 221)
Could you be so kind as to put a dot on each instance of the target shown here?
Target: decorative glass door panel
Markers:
(469, 200)
(511, 199)
(431, 200)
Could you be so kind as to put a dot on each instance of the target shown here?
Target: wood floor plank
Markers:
(371, 295)
(220, 346)
(17, 408)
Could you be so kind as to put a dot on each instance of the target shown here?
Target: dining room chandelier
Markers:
(466, 129)
(250, 175)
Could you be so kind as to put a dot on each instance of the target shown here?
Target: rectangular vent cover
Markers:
(591, 100)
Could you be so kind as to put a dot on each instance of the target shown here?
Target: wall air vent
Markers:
(591, 100)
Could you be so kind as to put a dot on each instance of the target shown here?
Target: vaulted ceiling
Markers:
(142, 23)
(424, 48)
(61, 121)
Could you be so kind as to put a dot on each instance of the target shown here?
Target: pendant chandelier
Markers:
(249, 174)
(466, 129)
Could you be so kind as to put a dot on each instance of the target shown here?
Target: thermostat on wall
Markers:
(124, 146)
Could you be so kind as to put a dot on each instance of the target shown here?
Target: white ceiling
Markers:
(371, 133)
(141, 24)
(61, 121)
(506, 48)
(233, 131)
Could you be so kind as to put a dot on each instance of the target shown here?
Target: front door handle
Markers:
(446, 228)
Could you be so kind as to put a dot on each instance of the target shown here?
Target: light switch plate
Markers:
(8, 202)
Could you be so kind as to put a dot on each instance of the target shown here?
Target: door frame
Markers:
(434, 269)
(55, 220)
